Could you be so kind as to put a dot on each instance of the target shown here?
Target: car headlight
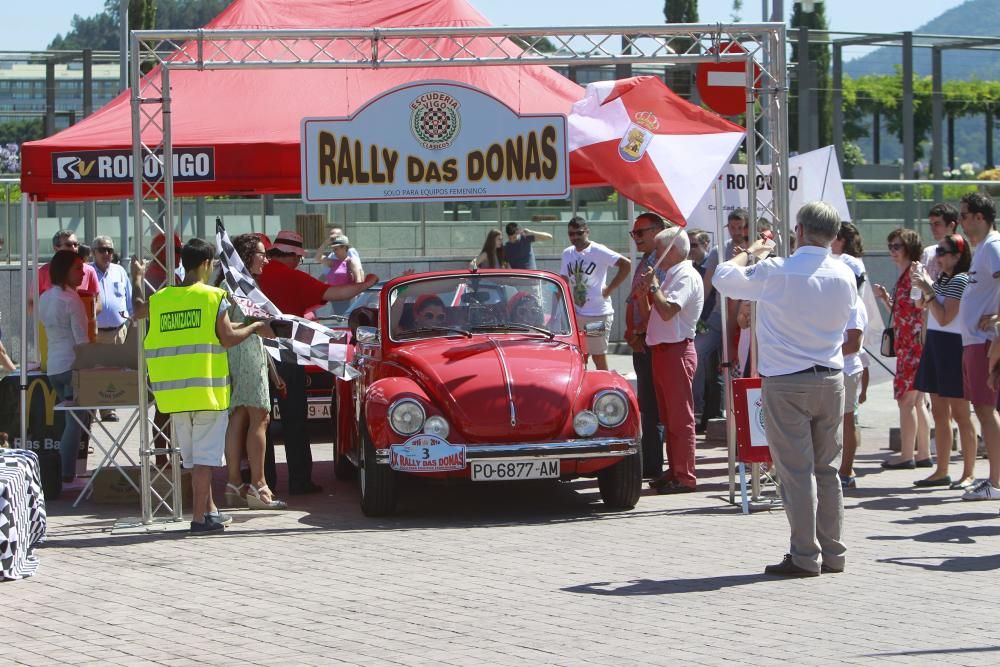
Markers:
(406, 417)
(610, 407)
(437, 426)
(585, 423)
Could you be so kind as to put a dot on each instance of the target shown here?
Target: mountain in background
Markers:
(979, 18)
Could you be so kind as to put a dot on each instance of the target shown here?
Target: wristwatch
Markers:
(653, 289)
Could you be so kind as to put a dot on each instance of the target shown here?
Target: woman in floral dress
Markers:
(250, 402)
(905, 250)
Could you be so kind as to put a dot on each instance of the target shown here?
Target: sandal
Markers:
(255, 502)
(236, 496)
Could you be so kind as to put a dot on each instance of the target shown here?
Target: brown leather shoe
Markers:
(786, 568)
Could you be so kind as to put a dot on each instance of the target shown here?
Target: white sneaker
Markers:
(984, 491)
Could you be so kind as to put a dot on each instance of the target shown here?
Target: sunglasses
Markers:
(895, 247)
(70, 244)
(636, 233)
(577, 233)
(434, 317)
(939, 251)
(105, 250)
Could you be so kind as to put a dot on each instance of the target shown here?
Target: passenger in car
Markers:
(524, 308)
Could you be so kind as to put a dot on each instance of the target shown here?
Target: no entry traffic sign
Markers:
(722, 86)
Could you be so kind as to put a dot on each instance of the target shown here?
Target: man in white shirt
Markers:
(804, 303)
(981, 299)
(585, 265)
(115, 294)
(943, 221)
(675, 305)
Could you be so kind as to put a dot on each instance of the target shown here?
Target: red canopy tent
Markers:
(251, 116)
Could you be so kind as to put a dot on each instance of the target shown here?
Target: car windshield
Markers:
(459, 305)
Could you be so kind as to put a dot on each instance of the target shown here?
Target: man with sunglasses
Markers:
(644, 231)
(294, 292)
(585, 266)
(115, 289)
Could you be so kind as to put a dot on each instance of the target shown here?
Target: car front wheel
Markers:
(621, 484)
(378, 482)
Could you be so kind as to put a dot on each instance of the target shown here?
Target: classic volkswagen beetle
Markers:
(479, 375)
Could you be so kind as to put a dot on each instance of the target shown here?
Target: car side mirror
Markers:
(367, 335)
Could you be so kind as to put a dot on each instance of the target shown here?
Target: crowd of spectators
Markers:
(941, 310)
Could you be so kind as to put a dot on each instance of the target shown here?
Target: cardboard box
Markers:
(106, 386)
(105, 375)
(111, 488)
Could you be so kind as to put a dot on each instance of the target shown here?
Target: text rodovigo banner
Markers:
(812, 176)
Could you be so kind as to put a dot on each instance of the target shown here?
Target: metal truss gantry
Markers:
(760, 47)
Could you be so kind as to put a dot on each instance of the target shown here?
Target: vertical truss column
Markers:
(152, 193)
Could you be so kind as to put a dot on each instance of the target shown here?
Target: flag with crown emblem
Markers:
(648, 143)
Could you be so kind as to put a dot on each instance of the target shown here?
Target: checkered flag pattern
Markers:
(310, 343)
(22, 513)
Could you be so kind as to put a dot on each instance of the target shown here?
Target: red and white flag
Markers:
(650, 144)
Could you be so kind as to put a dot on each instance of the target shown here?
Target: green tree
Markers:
(819, 58)
(100, 32)
(680, 11)
(19, 131)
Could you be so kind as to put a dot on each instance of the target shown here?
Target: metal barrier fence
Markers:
(450, 229)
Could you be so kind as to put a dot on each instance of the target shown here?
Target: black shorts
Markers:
(940, 370)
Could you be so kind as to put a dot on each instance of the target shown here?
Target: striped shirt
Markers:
(948, 287)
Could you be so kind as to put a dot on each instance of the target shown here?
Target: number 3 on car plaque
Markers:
(426, 453)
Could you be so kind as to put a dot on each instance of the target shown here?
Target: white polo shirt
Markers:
(682, 285)
(803, 305)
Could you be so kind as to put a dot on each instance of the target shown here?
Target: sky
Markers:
(39, 21)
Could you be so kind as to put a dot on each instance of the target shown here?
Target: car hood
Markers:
(475, 382)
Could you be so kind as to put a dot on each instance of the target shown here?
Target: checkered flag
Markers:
(310, 343)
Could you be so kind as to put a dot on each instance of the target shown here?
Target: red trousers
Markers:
(673, 371)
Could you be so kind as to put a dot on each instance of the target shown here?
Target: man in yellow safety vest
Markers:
(189, 331)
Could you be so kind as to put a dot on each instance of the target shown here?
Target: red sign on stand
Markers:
(748, 410)
(722, 86)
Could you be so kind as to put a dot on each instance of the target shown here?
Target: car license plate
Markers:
(505, 469)
(315, 410)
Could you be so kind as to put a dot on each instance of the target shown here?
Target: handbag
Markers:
(888, 347)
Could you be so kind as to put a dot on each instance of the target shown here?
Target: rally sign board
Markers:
(434, 140)
(812, 176)
(427, 453)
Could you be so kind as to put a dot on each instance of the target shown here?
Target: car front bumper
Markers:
(584, 448)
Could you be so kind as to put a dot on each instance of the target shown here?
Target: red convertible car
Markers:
(479, 375)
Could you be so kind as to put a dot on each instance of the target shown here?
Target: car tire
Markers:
(621, 484)
(377, 482)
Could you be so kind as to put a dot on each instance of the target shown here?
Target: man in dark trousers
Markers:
(294, 292)
(644, 230)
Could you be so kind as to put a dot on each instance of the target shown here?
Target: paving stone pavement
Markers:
(520, 574)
